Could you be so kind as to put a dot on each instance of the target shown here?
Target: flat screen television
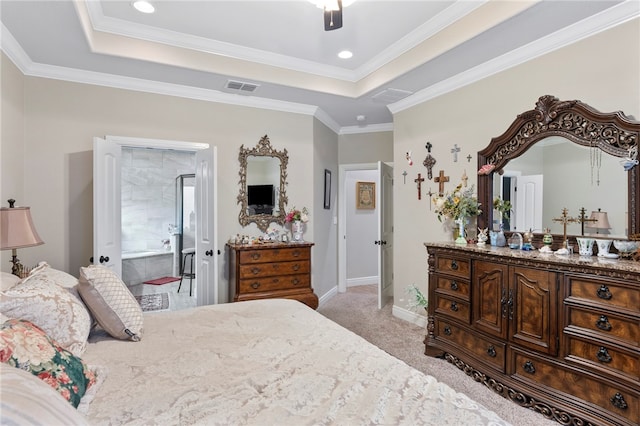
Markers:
(260, 195)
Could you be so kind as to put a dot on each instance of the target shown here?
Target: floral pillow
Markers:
(25, 346)
(63, 279)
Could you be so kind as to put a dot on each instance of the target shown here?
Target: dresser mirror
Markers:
(564, 154)
(263, 178)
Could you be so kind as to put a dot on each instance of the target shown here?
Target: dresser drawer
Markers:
(453, 266)
(453, 308)
(608, 293)
(258, 270)
(490, 351)
(274, 255)
(453, 286)
(258, 285)
(618, 400)
(606, 324)
(605, 356)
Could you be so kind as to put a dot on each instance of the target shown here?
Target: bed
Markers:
(262, 362)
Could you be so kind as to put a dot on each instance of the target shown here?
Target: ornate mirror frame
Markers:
(614, 133)
(262, 149)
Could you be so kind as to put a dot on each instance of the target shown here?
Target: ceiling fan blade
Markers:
(333, 18)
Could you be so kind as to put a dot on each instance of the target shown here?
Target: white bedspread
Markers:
(269, 362)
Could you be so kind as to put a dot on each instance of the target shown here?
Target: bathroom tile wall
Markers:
(148, 195)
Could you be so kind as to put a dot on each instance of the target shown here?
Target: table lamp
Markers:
(17, 231)
(599, 221)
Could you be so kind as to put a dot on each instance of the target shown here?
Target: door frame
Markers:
(132, 142)
(342, 218)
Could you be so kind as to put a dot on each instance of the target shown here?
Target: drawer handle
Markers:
(454, 285)
(454, 307)
(618, 401)
(255, 271)
(296, 267)
(447, 331)
(603, 323)
(604, 293)
(603, 355)
(454, 265)
(491, 351)
(296, 253)
(255, 256)
(529, 367)
(255, 286)
(295, 281)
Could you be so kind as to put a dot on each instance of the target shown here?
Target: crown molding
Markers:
(607, 19)
(372, 128)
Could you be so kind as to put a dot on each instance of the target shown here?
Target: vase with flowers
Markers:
(458, 206)
(503, 207)
(297, 218)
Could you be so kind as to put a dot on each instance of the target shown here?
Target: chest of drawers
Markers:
(558, 334)
(271, 270)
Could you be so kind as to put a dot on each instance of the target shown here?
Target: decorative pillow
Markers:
(25, 346)
(61, 278)
(111, 302)
(27, 400)
(60, 314)
(8, 280)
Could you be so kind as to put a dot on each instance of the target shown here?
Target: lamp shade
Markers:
(599, 220)
(16, 229)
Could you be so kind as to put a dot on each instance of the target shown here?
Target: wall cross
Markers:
(440, 180)
(419, 181)
(455, 150)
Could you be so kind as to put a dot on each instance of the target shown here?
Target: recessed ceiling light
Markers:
(144, 6)
(345, 54)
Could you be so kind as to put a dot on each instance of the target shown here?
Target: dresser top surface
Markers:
(267, 246)
(535, 255)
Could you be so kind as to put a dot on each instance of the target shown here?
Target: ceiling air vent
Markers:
(241, 86)
(389, 96)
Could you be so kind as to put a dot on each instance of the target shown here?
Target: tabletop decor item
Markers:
(297, 218)
(458, 206)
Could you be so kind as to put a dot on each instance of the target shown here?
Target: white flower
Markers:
(304, 218)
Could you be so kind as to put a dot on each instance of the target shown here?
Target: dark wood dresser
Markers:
(271, 270)
(557, 334)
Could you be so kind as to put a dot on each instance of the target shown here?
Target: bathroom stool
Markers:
(191, 275)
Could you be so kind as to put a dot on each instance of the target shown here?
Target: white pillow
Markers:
(55, 310)
(28, 400)
(8, 280)
(111, 302)
(61, 278)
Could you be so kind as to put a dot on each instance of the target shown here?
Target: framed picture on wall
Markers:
(365, 195)
(327, 189)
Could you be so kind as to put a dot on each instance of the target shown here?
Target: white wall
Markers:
(362, 231)
(601, 70)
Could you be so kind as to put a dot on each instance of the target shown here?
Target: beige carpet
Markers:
(357, 310)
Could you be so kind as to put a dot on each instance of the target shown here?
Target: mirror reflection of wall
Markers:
(571, 176)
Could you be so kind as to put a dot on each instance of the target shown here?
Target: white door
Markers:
(206, 244)
(528, 212)
(107, 232)
(384, 195)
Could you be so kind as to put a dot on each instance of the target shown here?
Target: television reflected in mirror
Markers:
(261, 199)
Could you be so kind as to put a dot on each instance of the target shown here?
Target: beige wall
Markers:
(61, 118)
(602, 71)
(365, 147)
(12, 149)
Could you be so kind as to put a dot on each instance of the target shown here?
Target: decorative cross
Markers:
(440, 180)
(429, 162)
(428, 146)
(564, 219)
(419, 181)
(464, 178)
(430, 194)
(404, 176)
(469, 157)
(455, 150)
(583, 218)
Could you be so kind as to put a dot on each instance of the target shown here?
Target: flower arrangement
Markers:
(295, 214)
(416, 298)
(503, 207)
(458, 204)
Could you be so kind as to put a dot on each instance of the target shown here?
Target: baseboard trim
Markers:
(352, 282)
(409, 316)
